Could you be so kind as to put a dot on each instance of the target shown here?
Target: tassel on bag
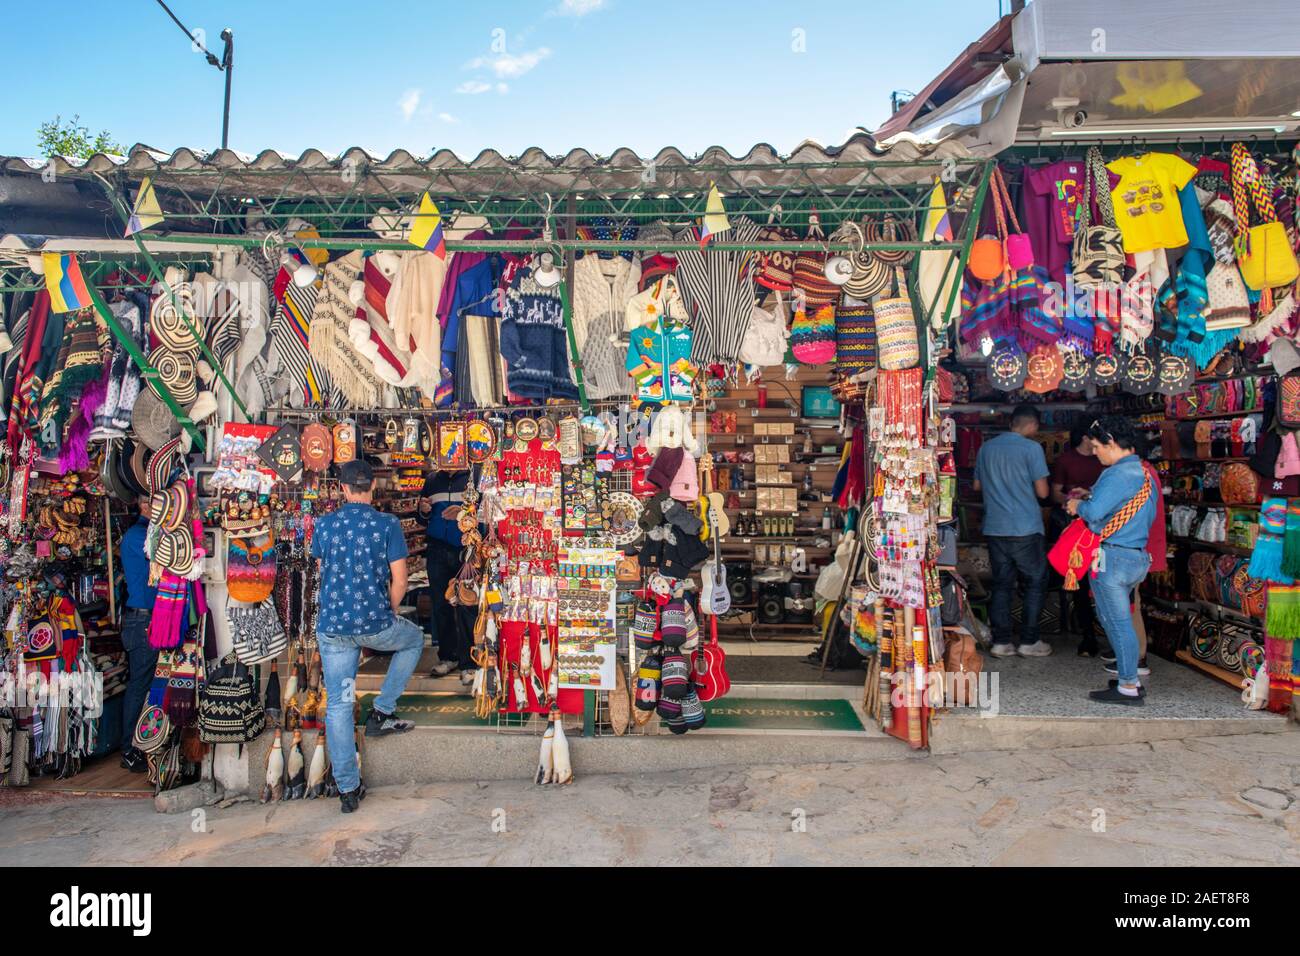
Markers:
(273, 789)
(297, 770)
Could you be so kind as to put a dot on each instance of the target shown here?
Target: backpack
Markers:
(230, 709)
(765, 339)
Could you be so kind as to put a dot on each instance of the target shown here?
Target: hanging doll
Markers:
(273, 788)
(297, 786)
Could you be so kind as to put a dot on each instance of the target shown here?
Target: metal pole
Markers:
(228, 66)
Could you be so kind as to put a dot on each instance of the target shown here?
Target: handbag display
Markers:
(1098, 253)
(1076, 550)
(897, 343)
(1264, 252)
(961, 656)
(255, 632)
(230, 709)
(1288, 401)
(764, 342)
(1239, 484)
(809, 272)
(812, 336)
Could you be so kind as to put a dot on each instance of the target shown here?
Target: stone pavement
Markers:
(1201, 801)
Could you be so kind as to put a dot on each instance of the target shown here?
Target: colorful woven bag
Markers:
(896, 335)
(250, 568)
(855, 338)
(812, 337)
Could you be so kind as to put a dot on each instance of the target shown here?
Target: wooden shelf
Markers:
(1213, 670)
(1237, 414)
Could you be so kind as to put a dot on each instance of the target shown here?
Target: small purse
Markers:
(897, 344)
(1098, 253)
(1076, 549)
(1264, 252)
(1239, 484)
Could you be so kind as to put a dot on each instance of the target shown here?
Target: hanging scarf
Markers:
(1187, 295)
(80, 361)
(44, 331)
(1266, 558)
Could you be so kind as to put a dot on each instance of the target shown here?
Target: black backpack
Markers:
(230, 708)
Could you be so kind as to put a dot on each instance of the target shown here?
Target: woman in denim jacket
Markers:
(1122, 560)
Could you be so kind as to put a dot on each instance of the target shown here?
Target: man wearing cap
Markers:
(141, 657)
(362, 556)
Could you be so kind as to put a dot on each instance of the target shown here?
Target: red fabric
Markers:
(1073, 470)
(31, 355)
(856, 482)
(1156, 543)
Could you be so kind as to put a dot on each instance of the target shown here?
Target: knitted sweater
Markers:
(534, 342)
(603, 369)
(601, 287)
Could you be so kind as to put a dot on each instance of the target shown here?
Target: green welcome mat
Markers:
(433, 709)
(744, 713)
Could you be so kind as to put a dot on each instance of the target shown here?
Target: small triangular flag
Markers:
(146, 211)
(426, 233)
(715, 216)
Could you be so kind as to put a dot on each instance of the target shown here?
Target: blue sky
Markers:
(508, 75)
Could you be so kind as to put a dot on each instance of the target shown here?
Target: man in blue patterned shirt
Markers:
(362, 556)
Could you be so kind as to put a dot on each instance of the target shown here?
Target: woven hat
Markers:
(176, 371)
(133, 467)
(152, 421)
(166, 321)
(167, 508)
(163, 464)
(175, 551)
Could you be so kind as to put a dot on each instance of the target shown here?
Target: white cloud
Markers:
(508, 66)
(448, 118)
(578, 8)
(473, 87)
(503, 88)
(409, 103)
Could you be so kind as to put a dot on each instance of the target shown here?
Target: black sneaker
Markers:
(348, 802)
(1113, 695)
(379, 724)
(1142, 669)
(1142, 691)
(134, 761)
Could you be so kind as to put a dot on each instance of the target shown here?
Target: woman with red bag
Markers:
(1123, 497)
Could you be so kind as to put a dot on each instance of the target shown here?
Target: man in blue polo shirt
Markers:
(362, 556)
(1011, 471)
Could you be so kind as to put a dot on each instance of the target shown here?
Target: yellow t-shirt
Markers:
(1146, 200)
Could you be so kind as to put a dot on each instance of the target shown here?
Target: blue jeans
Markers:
(340, 654)
(141, 660)
(1122, 569)
(1012, 559)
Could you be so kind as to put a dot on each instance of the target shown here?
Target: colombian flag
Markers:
(64, 283)
(715, 216)
(427, 231)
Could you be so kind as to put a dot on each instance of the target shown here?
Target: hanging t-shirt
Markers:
(1146, 200)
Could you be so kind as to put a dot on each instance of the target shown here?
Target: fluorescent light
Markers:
(1098, 132)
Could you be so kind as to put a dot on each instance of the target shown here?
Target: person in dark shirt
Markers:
(141, 658)
(1074, 473)
(453, 627)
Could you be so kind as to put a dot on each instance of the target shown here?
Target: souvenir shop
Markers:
(740, 409)
(1158, 282)
(664, 410)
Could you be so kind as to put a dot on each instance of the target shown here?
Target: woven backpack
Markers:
(230, 710)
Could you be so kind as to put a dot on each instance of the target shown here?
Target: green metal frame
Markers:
(215, 205)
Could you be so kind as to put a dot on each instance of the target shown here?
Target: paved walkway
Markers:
(1214, 800)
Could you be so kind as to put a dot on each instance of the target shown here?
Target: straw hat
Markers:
(167, 322)
(177, 372)
(164, 461)
(152, 421)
